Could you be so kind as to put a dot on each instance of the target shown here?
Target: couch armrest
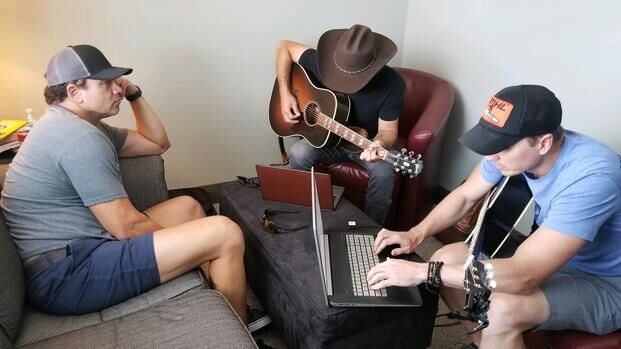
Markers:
(144, 180)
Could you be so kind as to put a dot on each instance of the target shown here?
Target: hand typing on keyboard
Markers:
(407, 241)
(396, 272)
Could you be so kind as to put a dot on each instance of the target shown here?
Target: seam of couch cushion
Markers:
(200, 318)
(37, 326)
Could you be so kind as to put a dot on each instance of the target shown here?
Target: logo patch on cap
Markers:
(497, 111)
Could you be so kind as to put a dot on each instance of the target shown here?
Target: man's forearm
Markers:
(387, 138)
(283, 66)
(148, 124)
(448, 212)
(140, 225)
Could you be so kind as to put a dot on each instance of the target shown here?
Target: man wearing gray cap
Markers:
(85, 247)
(567, 274)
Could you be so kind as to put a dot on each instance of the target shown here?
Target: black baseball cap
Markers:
(512, 114)
(81, 62)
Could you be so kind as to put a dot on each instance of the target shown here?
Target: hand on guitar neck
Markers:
(373, 152)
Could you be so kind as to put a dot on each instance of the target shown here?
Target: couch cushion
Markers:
(12, 290)
(169, 290)
(38, 326)
(143, 190)
(198, 319)
(5, 343)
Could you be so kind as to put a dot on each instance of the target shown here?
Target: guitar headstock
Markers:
(479, 283)
(405, 162)
(479, 279)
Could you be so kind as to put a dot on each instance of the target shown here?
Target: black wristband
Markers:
(434, 280)
(134, 96)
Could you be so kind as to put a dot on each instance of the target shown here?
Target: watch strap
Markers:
(134, 96)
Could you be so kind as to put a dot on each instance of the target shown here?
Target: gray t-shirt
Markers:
(65, 165)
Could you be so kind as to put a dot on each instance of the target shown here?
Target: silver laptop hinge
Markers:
(326, 264)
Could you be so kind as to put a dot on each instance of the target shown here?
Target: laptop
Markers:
(344, 260)
(284, 185)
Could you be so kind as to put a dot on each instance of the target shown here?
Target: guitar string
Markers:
(314, 114)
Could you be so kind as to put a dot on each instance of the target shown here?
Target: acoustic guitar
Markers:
(502, 209)
(322, 122)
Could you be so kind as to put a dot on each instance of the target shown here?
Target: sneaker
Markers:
(257, 319)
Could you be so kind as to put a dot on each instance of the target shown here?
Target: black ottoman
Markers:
(282, 270)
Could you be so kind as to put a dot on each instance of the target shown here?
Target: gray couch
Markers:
(183, 313)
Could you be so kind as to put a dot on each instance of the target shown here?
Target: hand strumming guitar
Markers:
(289, 106)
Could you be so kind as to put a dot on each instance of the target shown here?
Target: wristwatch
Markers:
(134, 96)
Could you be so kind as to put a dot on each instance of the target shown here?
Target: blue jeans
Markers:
(302, 156)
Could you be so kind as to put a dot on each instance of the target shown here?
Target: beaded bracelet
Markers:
(434, 280)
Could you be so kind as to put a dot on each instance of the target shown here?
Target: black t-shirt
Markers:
(382, 97)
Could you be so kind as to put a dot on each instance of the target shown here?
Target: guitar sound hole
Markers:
(311, 113)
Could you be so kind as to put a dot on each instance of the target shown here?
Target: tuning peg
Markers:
(489, 266)
(492, 284)
(410, 153)
(403, 150)
(490, 275)
(397, 169)
(418, 156)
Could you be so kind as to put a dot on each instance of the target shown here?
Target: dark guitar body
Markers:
(502, 215)
(334, 105)
(499, 221)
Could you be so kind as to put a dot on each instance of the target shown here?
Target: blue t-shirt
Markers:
(581, 197)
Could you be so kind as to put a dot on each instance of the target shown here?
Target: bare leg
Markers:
(454, 297)
(214, 243)
(510, 315)
(175, 211)
(190, 240)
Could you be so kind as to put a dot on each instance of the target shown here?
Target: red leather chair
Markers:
(422, 125)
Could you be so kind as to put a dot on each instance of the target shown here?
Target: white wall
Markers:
(207, 67)
(481, 46)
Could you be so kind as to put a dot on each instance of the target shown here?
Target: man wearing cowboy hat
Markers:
(567, 274)
(351, 61)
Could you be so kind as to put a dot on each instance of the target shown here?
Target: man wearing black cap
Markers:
(351, 61)
(85, 247)
(567, 274)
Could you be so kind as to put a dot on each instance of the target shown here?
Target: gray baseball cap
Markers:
(81, 62)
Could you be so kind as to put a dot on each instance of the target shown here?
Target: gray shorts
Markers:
(584, 302)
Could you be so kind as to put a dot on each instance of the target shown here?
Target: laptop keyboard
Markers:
(361, 260)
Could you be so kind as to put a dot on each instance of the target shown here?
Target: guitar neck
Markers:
(344, 132)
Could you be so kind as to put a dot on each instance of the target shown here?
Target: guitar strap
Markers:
(283, 153)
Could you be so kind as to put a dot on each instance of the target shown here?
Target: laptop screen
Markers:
(318, 233)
